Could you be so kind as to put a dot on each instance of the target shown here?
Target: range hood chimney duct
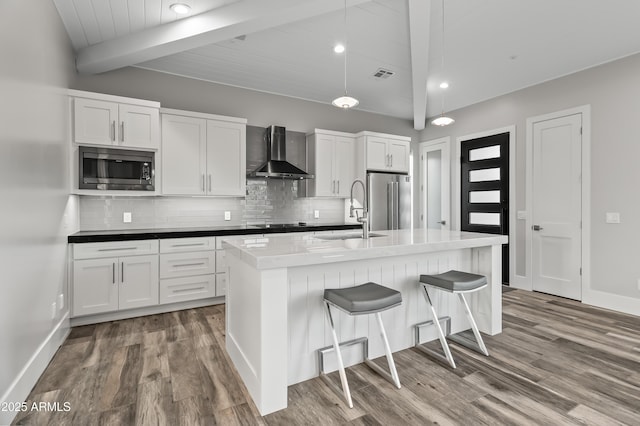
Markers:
(277, 165)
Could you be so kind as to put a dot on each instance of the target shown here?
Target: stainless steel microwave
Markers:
(116, 169)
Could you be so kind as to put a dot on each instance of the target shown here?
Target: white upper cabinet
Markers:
(114, 121)
(387, 153)
(331, 158)
(202, 155)
(184, 150)
(226, 158)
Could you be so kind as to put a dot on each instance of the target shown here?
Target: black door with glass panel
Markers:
(484, 165)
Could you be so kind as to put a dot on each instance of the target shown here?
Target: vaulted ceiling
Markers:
(491, 47)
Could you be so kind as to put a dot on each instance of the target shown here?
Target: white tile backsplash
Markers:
(267, 201)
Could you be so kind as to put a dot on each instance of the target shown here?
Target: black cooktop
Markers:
(280, 225)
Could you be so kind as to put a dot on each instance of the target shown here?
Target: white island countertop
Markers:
(281, 251)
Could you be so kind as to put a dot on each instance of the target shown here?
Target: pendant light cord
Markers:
(345, 47)
(442, 51)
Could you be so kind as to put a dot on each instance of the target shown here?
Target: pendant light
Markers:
(442, 120)
(346, 101)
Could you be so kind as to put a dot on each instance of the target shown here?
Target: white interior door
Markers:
(435, 185)
(556, 217)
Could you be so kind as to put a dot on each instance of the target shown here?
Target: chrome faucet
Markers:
(362, 219)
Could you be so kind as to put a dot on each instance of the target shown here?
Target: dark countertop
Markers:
(216, 231)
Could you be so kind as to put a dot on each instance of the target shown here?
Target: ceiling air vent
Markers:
(383, 73)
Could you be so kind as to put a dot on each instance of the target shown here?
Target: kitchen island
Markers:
(275, 315)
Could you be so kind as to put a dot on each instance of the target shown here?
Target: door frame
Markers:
(456, 190)
(585, 234)
(445, 172)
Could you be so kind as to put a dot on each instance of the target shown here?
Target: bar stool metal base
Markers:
(391, 376)
(477, 345)
(443, 322)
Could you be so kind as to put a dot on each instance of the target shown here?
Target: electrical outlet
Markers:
(53, 310)
(60, 301)
(316, 214)
(612, 217)
(126, 217)
(227, 215)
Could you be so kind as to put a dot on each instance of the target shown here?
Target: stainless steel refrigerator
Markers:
(389, 201)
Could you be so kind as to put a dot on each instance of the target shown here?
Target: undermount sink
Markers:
(357, 236)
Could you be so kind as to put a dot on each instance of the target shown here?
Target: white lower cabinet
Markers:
(187, 269)
(187, 288)
(114, 283)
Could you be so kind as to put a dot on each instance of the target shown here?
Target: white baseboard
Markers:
(149, 310)
(628, 305)
(26, 379)
(520, 282)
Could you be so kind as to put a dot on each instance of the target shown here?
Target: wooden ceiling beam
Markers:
(225, 23)
(419, 26)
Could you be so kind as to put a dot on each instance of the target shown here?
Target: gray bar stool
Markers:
(459, 283)
(369, 298)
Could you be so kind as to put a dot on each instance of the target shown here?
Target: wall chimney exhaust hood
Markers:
(277, 165)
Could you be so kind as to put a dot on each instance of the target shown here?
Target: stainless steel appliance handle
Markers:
(396, 205)
(389, 206)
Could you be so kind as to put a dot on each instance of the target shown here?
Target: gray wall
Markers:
(36, 210)
(260, 109)
(613, 91)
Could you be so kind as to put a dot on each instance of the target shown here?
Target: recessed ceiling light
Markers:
(180, 8)
(338, 48)
(444, 85)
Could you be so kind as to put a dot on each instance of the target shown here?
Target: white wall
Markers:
(35, 210)
(613, 91)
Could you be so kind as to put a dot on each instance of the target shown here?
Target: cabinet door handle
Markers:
(122, 272)
(113, 130)
(333, 186)
(338, 190)
(117, 249)
(203, 187)
(182, 290)
(184, 265)
(122, 131)
(391, 158)
(113, 273)
(209, 182)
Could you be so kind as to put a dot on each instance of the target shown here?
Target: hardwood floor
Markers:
(556, 362)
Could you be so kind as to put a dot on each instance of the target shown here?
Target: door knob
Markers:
(537, 228)
(442, 222)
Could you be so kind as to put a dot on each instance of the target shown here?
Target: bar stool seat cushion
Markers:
(363, 299)
(455, 280)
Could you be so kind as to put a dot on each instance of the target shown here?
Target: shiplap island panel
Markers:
(275, 315)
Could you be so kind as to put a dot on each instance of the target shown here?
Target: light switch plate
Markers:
(613, 217)
(227, 215)
(521, 214)
(316, 214)
(126, 217)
